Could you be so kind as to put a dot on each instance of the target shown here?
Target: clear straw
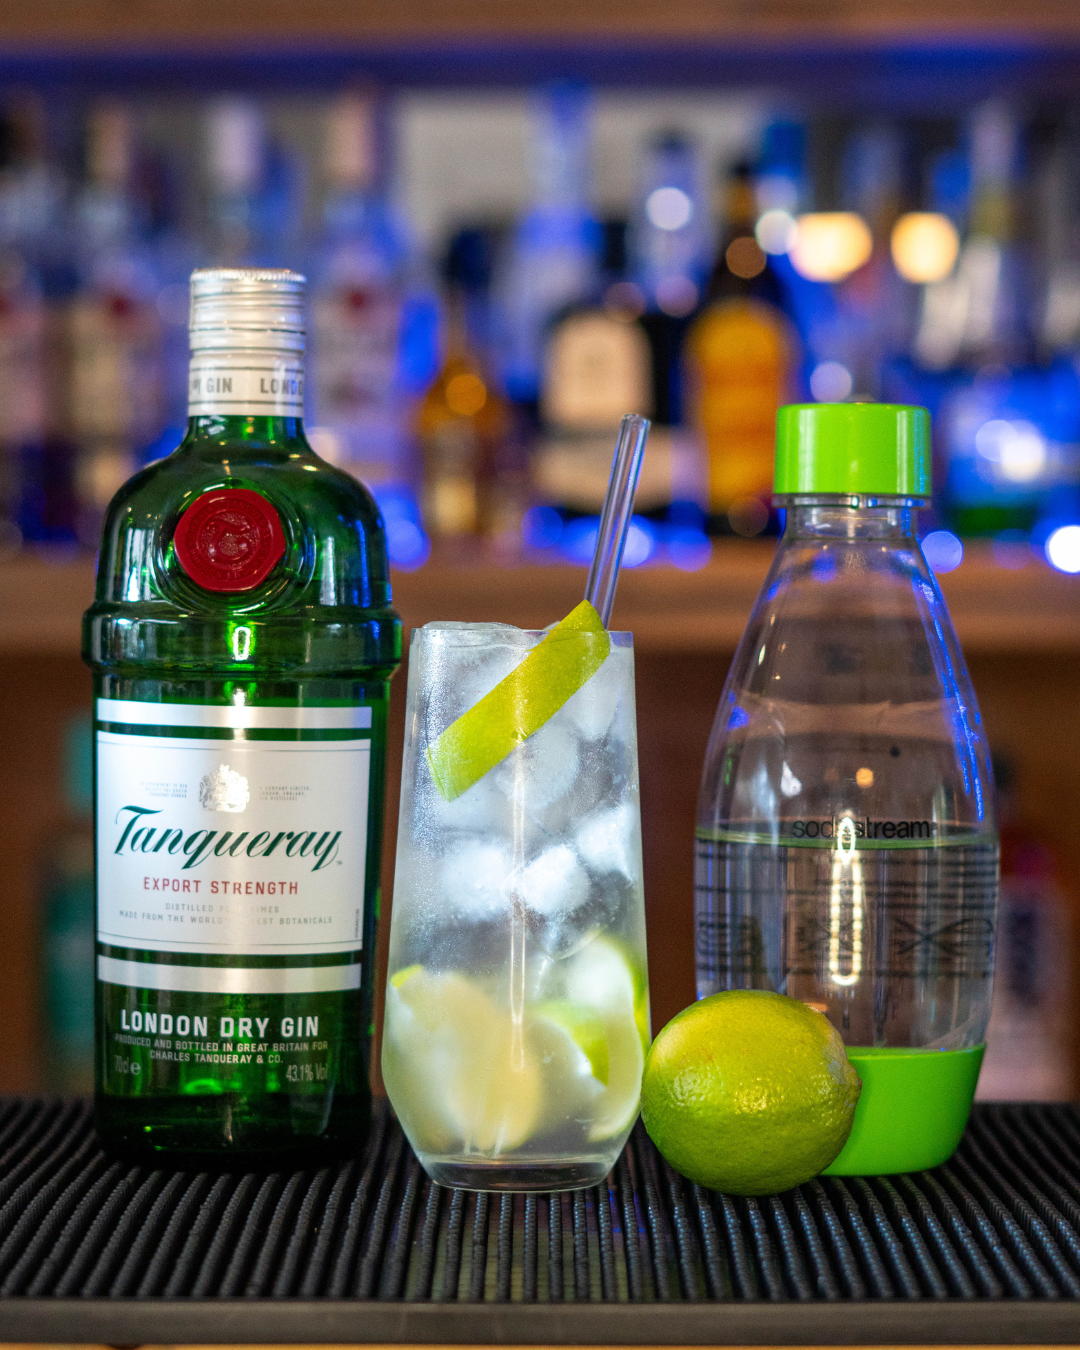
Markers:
(615, 517)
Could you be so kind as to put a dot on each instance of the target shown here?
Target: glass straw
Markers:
(615, 517)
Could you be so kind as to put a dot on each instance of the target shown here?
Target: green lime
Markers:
(519, 705)
(749, 1092)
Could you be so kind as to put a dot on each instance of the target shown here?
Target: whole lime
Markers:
(749, 1092)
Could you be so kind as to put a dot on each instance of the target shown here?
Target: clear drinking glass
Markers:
(517, 1012)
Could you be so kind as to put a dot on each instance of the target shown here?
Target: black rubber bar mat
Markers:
(983, 1250)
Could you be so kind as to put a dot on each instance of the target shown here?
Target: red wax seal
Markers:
(229, 540)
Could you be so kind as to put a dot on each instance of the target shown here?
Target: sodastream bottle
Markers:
(846, 851)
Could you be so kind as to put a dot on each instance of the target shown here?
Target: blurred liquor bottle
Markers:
(739, 359)
(1057, 214)
(925, 249)
(22, 338)
(115, 390)
(67, 939)
(249, 215)
(463, 424)
(1030, 1047)
(875, 308)
(670, 240)
(1010, 423)
(597, 367)
(552, 259)
(360, 415)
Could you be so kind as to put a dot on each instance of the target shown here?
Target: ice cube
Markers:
(607, 842)
(543, 769)
(482, 808)
(553, 884)
(463, 662)
(566, 908)
(471, 878)
(592, 708)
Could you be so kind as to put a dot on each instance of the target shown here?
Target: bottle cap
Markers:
(247, 309)
(852, 450)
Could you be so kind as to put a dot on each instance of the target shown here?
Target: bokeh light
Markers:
(676, 296)
(776, 231)
(669, 208)
(1063, 549)
(830, 382)
(924, 246)
(1017, 448)
(830, 245)
(745, 257)
(942, 550)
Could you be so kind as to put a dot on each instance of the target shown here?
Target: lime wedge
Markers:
(585, 1028)
(619, 1108)
(405, 973)
(606, 978)
(452, 1067)
(519, 705)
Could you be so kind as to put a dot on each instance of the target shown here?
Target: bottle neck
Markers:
(250, 385)
(850, 520)
(236, 436)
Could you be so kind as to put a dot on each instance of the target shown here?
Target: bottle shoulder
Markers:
(848, 693)
(332, 578)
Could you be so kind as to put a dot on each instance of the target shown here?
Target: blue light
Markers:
(688, 549)
(407, 545)
(541, 527)
(823, 569)
(640, 542)
(942, 550)
(1063, 549)
(578, 542)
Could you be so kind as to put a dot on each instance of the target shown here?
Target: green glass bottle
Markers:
(242, 642)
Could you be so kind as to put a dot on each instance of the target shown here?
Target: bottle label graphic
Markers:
(232, 850)
(229, 540)
(248, 384)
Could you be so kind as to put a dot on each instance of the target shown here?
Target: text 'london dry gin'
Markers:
(242, 642)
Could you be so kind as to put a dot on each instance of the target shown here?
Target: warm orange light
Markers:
(924, 246)
(465, 395)
(745, 257)
(829, 245)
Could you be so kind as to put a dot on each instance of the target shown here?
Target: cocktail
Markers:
(517, 1012)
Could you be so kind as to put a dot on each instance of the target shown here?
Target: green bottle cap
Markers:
(853, 449)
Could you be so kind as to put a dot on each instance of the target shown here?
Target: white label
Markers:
(248, 384)
(230, 846)
(132, 712)
(232, 980)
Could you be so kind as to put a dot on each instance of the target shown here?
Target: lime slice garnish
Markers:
(586, 1029)
(453, 1068)
(399, 978)
(619, 1107)
(608, 979)
(520, 704)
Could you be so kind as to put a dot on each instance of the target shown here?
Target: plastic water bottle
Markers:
(846, 851)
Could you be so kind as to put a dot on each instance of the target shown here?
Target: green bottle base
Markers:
(222, 1132)
(912, 1111)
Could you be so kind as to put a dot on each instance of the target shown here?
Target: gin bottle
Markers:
(847, 853)
(242, 641)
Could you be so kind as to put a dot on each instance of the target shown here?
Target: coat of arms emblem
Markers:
(224, 790)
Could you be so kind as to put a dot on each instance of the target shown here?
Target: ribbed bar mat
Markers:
(983, 1250)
